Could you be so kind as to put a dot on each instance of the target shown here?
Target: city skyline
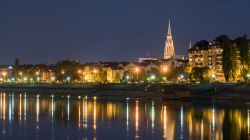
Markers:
(42, 32)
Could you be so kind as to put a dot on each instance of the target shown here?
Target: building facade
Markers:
(209, 55)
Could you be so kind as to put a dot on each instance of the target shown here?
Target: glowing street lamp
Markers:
(79, 71)
(82, 73)
(68, 78)
(53, 79)
(181, 77)
(137, 70)
(25, 79)
(21, 75)
(62, 72)
(152, 77)
(95, 71)
(164, 69)
(37, 74)
(4, 74)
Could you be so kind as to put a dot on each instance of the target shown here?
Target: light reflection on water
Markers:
(51, 116)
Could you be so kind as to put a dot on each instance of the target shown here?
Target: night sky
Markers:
(45, 31)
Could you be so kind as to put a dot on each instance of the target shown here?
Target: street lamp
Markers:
(37, 74)
(137, 72)
(4, 74)
(164, 70)
(81, 72)
(62, 72)
(21, 75)
(95, 71)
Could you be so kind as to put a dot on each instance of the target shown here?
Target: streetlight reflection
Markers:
(137, 120)
(37, 111)
(85, 112)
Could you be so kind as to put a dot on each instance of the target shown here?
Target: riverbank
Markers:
(209, 91)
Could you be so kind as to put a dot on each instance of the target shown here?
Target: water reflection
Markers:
(97, 118)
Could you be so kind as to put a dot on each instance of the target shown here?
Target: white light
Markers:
(127, 77)
(153, 77)
(10, 67)
(182, 76)
(25, 78)
(68, 78)
(38, 78)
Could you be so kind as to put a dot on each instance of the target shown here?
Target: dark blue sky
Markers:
(39, 31)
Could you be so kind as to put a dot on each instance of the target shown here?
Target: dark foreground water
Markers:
(39, 116)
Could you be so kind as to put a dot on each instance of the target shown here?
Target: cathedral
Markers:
(169, 44)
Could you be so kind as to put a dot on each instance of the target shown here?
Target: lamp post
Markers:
(62, 72)
(4, 75)
(164, 70)
(137, 73)
(37, 76)
(21, 75)
(95, 72)
(82, 73)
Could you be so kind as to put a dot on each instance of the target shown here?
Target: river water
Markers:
(64, 116)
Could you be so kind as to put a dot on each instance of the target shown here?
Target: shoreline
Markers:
(192, 92)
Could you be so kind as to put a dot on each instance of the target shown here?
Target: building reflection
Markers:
(175, 121)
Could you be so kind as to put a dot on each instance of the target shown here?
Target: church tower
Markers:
(169, 44)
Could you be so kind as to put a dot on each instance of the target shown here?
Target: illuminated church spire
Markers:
(169, 44)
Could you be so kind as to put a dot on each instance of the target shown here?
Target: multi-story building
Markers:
(205, 54)
(198, 54)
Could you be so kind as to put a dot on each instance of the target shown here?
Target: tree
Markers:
(199, 74)
(229, 56)
(67, 68)
(244, 56)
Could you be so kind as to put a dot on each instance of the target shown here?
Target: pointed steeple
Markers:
(169, 29)
(190, 45)
(169, 44)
